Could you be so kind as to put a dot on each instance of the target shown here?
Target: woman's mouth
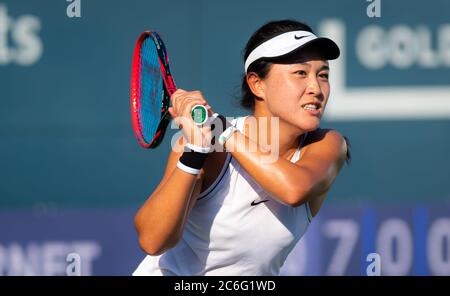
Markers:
(312, 108)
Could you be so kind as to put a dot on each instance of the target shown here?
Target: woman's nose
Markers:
(313, 87)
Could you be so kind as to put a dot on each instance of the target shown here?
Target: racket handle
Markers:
(199, 114)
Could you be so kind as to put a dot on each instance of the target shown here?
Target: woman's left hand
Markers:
(181, 110)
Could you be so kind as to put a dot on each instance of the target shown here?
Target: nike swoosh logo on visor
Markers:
(299, 37)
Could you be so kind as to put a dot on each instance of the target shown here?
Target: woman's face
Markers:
(298, 93)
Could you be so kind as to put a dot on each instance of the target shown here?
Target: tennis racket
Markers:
(151, 87)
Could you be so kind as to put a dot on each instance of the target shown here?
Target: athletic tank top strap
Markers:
(296, 155)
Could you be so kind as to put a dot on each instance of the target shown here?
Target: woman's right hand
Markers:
(182, 104)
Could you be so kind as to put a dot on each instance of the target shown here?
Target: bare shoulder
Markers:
(329, 143)
(323, 154)
(324, 134)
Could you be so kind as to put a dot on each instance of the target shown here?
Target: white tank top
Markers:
(235, 228)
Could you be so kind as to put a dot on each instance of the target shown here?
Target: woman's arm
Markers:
(160, 221)
(293, 183)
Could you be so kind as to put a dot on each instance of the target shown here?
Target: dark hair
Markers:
(262, 67)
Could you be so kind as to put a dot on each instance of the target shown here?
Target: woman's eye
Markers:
(324, 75)
(301, 72)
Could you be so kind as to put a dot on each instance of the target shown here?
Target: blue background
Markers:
(71, 168)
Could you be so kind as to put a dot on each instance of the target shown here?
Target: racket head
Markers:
(151, 87)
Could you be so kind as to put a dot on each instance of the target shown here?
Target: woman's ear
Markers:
(256, 85)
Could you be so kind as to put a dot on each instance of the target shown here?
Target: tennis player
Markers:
(234, 212)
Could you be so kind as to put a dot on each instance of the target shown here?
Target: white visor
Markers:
(287, 42)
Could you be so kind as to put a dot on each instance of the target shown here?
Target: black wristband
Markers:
(193, 159)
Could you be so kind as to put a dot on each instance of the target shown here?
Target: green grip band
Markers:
(199, 114)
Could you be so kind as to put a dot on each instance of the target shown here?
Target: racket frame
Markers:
(169, 88)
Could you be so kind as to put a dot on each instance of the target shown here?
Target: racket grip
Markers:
(199, 114)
